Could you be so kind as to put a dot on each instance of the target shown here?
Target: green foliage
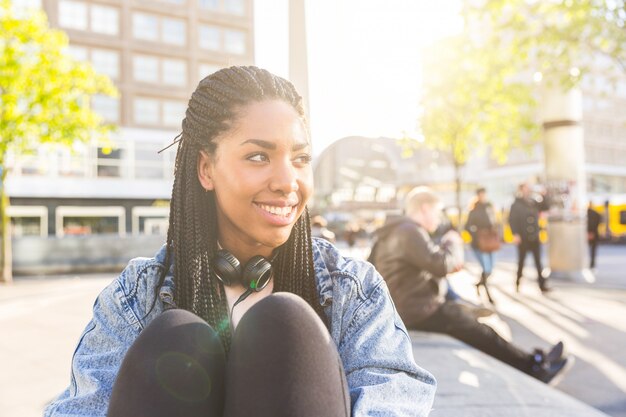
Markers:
(44, 93)
(554, 37)
(472, 99)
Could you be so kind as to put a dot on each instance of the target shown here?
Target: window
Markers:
(235, 42)
(150, 220)
(28, 220)
(146, 68)
(173, 113)
(73, 14)
(207, 69)
(149, 163)
(236, 7)
(145, 27)
(173, 31)
(174, 72)
(109, 162)
(104, 19)
(210, 37)
(146, 111)
(212, 5)
(90, 220)
(79, 53)
(107, 107)
(106, 62)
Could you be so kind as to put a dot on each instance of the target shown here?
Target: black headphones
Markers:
(254, 276)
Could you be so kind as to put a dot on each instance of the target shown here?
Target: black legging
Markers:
(282, 362)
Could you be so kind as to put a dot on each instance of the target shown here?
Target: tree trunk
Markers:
(6, 257)
(457, 186)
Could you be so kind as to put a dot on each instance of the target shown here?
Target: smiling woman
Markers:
(242, 312)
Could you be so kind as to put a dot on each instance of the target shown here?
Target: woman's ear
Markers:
(205, 170)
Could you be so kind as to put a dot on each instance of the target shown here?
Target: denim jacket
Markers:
(372, 341)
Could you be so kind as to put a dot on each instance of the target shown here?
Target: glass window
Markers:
(109, 162)
(148, 162)
(79, 53)
(174, 72)
(25, 226)
(145, 26)
(207, 69)
(237, 7)
(104, 19)
(90, 225)
(106, 62)
(173, 113)
(235, 42)
(146, 68)
(173, 31)
(146, 111)
(209, 4)
(72, 14)
(107, 107)
(210, 37)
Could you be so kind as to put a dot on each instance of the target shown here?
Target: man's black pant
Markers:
(453, 320)
(533, 246)
(593, 247)
(282, 362)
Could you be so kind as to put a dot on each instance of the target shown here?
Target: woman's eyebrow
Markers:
(272, 146)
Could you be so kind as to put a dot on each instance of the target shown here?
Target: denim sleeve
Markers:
(385, 381)
(99, 353)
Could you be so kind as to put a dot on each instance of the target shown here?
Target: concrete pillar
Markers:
(561, 113)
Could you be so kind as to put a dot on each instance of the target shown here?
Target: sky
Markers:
(364, 60)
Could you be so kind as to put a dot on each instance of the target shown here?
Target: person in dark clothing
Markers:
(415, 268)
(482, 219)
(524, 222)
(593, 222)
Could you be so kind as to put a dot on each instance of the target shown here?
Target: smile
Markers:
(277, 211)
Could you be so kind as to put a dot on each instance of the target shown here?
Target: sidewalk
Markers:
(42, 318)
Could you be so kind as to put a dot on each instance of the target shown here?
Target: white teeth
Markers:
(280, 211)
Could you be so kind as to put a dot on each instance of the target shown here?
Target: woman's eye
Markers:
(258, 157)
(303, 159)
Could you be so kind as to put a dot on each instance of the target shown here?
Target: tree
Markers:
(473, 100)
(44, 97)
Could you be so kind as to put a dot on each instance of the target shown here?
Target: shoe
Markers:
(517, 282)
(555, 353)
(552, 373)
(545, 288)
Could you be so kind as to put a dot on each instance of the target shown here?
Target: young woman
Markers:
(241, 312)
(482, 219)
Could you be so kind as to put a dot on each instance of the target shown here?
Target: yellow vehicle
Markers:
(613, 212)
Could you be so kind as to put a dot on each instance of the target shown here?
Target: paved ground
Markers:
(41, 319)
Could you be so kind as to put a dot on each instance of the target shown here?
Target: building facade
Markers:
(155, 52)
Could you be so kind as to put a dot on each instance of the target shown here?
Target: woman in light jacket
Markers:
(241, 312)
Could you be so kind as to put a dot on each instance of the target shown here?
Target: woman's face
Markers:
(262, 178)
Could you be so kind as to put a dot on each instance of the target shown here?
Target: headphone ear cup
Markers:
(257, 273)
(226, 267)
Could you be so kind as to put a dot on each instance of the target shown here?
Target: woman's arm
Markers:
(377, 355)
(99, 353)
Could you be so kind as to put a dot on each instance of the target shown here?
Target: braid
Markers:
(192, 232)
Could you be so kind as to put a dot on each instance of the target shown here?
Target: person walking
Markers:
(242, 312)
(481, 225)
(524, 223)
(415, 270)
(593, 235)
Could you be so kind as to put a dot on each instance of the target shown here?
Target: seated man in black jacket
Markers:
(415, 268)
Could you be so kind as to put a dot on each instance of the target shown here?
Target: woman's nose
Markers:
(284, 177)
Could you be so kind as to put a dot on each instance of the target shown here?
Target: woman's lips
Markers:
(277, 215)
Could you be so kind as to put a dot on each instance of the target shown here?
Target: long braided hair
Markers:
(192, 232)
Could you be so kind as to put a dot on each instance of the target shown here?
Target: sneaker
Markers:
(555, 353)
(552, 373)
